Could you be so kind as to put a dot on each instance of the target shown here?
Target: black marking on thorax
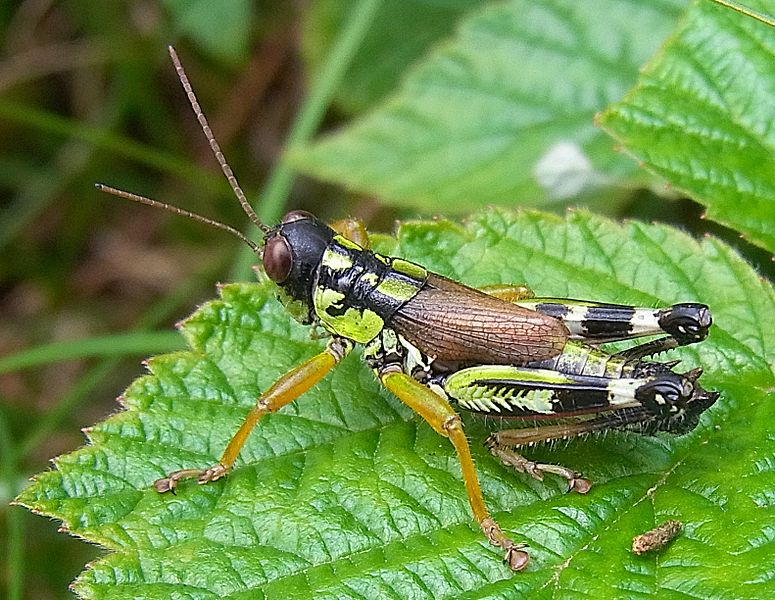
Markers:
(367, 280)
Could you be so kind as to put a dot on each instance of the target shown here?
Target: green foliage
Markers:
(346, 494)
(701, 117)
(503, 111)
(401, 34)
(207, 23)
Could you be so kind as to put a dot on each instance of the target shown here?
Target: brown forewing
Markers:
(452, 322)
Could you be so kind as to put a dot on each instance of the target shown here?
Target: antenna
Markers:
(178, 211)
(200, 116)
(221, 161)
(748, 12)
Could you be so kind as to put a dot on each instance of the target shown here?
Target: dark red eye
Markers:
(296, 215)
(277, 259)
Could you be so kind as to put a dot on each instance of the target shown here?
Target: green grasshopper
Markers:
(434, 342)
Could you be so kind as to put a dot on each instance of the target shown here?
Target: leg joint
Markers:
(339, 348)
(389, 368)
(452, 422)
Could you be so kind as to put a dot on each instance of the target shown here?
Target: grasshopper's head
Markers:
(292, 252)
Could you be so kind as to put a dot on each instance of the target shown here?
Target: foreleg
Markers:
(284, 391)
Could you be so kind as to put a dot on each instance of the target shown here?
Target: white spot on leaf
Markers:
(564, 171)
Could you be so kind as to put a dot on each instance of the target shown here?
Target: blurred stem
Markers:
(275, 194)
(13, 517)
(122, 344)
(83, 141)
(100, 137)
(40, 190)
(92, 378)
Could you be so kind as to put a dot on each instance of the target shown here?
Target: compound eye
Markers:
(278, 259)
(296, 215)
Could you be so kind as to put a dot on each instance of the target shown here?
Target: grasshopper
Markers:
(435, 343)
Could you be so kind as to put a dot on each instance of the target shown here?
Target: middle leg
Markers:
(441, 416)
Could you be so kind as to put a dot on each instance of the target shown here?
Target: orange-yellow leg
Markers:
(508, 292)
(353, 229)
(442, 417)
(284, 391)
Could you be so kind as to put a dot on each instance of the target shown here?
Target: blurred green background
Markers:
(88, 94)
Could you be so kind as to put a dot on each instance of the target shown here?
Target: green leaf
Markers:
(401, 33)
(701, 117)
(346, 494)
(503, 112)
(222, 28)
